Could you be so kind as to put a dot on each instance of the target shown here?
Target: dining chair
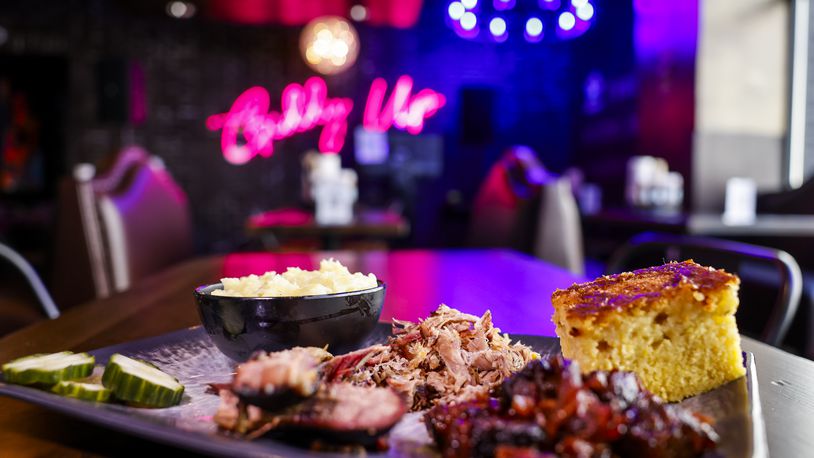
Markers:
(21, 265)
(522, 206)
(505, 206)
(558, 237)
(126, 223)
(761, 270)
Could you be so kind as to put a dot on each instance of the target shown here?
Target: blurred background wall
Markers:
(132, 74)
(743, 97)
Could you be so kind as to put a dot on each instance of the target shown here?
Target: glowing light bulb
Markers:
(497, 26)
(579, 3)
(469, 21)
(469, 4)
(321, 47)
(567, 21)
(534, 27)
(585, 12)
(339, 49)
(329, 45)
(456, 10)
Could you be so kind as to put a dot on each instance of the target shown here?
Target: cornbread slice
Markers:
(673, 325)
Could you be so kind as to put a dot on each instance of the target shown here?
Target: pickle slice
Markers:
(48, 369)
(141, 383)
(80, 390)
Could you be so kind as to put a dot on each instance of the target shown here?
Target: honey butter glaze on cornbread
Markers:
(673, 325)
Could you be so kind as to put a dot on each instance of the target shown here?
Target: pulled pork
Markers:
(448, 356)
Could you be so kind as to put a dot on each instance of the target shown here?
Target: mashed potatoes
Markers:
(332, 277)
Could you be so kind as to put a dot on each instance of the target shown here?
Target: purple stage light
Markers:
(549, 4)
(534, 27)
(503, 5)
(456, 10)
(585, 11)
(534, 30)
(566, 21)
(497, 26)
(469, 21)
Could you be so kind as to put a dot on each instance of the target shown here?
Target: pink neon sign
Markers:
(303, 108)
(401, 110)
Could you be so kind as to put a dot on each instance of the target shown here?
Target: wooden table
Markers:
(764, 225)
(515, 287)
(275, 225)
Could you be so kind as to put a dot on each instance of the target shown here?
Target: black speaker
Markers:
(112, 94)
(477, 112)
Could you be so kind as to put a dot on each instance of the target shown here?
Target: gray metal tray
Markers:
(191, 357)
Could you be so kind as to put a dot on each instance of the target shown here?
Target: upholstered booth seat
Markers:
(119, 226)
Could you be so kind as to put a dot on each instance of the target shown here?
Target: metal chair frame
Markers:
(46, 302)
(791, 286)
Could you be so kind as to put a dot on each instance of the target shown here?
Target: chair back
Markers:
(18, 262)
(758, 267)
(133, 220)
(505, 207)
(558, 237)
(522, 206)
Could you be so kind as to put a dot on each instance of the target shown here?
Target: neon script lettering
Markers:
(402, 110)
(248, 129)
(302, 108)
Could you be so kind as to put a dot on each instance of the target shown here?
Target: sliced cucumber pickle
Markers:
(84, 391)
(141, 383)
(48, 369)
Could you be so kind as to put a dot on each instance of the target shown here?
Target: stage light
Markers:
(534, 27)
(503, 5)
(585, 12)
(497, 26)
(469, 21)
(549, 4)
(567, 21)
(329, 44)
(456, 10)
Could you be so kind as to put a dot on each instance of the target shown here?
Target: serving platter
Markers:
(190, 355)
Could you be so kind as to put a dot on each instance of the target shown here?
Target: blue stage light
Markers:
(456, 10)
(566, 21)
(469, 21)
(585, 12)
(534, 27)
(497, 26)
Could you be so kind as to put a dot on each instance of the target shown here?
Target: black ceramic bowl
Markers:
(240, 326)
